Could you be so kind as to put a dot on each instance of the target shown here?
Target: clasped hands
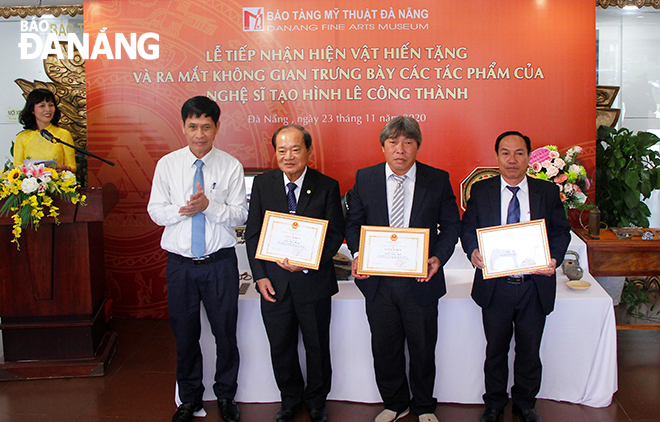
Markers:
(198, 203)
(478, 261)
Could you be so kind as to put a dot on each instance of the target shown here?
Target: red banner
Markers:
(466, 71)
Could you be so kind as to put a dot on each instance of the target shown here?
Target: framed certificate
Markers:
(298, 238)
(394, 251)
(514, 248)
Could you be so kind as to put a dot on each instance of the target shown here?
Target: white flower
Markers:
(578, 149)
(568, 188)
(67, 175)
(553, 154)
(559, 163)
(552, 171)
(574, 168)
(29, 185)
(42, 187)
(580, 197)
(546, 164)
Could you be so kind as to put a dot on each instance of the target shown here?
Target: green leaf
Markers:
(631, 178)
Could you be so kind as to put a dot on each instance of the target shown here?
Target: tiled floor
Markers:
(139, 386)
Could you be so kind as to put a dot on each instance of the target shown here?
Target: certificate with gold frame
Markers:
(513, 249)
(297, 238)
(394, 251)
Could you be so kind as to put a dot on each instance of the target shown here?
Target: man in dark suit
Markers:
(294, 297)
(403, 309)
(519, 303)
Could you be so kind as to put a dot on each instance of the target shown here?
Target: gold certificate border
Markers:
(484, 232)
(293, 218)
(365, 231)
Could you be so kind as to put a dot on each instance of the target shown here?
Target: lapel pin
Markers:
(308, 191)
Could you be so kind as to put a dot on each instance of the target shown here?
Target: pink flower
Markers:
(587, 184)
(561, 178)
(546, 164)
(553, 154)
(536, 167)
(559, 163)
(552, 171)
(539, 155)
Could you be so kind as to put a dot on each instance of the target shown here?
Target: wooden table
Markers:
(610, 256)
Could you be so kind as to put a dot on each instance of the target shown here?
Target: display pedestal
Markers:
(53, 312)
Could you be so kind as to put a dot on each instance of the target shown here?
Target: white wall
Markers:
(12, 67)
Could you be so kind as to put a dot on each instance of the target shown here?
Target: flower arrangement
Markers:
(28, 190)
(565, 171)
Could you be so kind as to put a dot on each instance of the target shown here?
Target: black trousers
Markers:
(216, 284)
(514, 308)
(395, 318)
(282, 320)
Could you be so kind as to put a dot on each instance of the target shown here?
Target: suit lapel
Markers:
(308, 189)
(535, 199)
(421, 188)
(380, 192)
(279, 191)
(494, 201)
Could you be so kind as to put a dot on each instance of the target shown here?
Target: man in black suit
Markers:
(294, 297)
(521, 302)
(404, 309)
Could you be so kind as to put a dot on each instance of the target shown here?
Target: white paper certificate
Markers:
(297, 238)
(393, 251)
(514, 248)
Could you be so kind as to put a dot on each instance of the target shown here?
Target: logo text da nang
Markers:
(111, 47)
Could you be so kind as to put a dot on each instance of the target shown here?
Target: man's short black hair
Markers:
(528, 143)
(306, 136)
(400, 125)
(200, 106)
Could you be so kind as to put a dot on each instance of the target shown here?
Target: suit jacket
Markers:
(319, 198)
(484, 210)
(433, 207)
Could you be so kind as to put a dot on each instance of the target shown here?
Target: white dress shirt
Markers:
(298, 182)
(523, 199)
(408, 191)
(224, 186)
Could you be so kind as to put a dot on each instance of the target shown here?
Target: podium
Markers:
(53, 313)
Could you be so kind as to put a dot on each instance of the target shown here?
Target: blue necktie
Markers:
(291, 197)
(513, 213)
(198, 237)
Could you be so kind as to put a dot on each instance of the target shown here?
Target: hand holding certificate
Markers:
(393, 251)
(296, 238)
(514, 249)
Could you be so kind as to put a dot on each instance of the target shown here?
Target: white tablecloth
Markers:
(578, 349)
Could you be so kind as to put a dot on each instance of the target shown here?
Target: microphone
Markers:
(49, 136)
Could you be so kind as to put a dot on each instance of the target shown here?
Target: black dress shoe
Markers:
(229, 410)
(318, 415)
(526, 415)
(186, 412)
(490, 415)
(287, 414)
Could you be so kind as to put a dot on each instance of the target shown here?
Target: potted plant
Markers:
(627, 171)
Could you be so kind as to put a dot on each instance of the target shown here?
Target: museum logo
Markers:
(253, 19)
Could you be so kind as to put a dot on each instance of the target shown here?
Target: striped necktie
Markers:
(198, 247)
(513, 213)
(396, 219)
